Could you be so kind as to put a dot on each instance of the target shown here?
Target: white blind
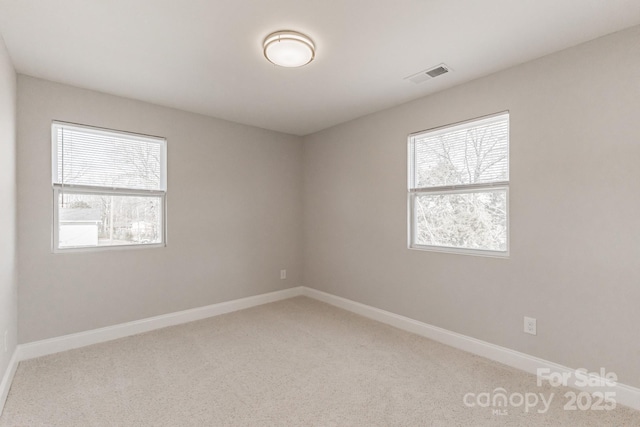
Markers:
(97, 157)
(469, 153)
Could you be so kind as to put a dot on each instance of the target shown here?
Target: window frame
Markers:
(414, 192)
(59, 188)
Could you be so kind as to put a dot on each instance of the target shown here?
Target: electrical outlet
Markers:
(530, 325)
(6, 334)
(283, 274)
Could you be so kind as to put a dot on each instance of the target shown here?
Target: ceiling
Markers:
(205, 56)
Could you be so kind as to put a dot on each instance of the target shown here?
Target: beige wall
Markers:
(237, 213)
(234, 216)
(575, 211)
(8, 283)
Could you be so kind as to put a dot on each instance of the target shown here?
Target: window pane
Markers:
(475, 220)
(91, 220)
(108, 159)
(470, 153)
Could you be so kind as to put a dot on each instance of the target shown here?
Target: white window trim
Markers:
(452, 189)
(87, 189)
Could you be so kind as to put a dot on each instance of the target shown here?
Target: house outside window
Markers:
(109, 188)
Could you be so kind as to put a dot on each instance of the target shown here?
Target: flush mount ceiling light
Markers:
(289, 49)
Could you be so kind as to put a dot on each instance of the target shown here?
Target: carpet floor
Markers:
(297, 362)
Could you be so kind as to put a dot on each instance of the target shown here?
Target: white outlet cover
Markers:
(530, 325)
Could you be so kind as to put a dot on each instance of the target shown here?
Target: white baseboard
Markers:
(81, 339)
(5, 385)
(624, 394)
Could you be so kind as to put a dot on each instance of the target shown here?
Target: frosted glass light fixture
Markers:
(289, 49)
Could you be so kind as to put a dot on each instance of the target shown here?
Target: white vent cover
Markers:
(429, 73)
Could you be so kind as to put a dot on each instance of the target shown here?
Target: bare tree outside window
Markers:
(458, 191)
(110, 187)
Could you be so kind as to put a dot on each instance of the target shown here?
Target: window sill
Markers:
(461, 251)
(107, 248)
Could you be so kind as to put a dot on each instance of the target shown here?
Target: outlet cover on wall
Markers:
(530, 325)
(283, 274)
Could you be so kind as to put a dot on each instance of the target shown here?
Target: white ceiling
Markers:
(205, 55)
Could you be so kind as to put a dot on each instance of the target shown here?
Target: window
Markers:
(109, 188)
(459, 187)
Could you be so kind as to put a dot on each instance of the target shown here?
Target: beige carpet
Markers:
(297, 362)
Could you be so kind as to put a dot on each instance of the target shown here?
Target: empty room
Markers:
(306, 213)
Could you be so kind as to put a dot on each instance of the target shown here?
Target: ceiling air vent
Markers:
(429, 74)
